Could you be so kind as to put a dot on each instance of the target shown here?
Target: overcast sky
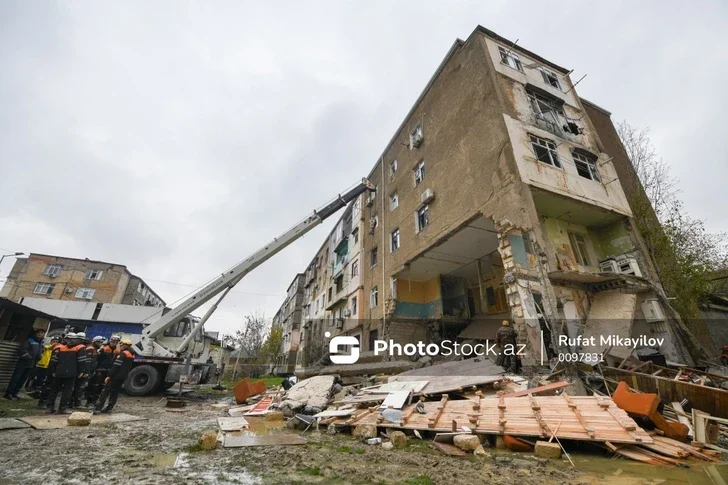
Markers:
(178, 137)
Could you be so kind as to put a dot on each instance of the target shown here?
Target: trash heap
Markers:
(467, 406)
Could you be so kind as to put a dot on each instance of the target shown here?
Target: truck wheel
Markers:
(142, 380)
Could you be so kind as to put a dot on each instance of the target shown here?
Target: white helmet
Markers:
(81, 335)
(98, 338)
(114, 337)
(71, 335)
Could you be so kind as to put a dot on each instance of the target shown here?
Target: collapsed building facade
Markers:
(496, 199)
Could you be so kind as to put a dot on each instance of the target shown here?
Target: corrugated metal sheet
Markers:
(8, 358)
(62, 308)
(111, 312)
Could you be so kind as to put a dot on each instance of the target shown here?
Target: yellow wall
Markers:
(418, 291)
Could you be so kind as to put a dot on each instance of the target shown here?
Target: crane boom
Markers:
(231, 277)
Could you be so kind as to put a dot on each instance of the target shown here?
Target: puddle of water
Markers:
(162, 460)
(626, 472)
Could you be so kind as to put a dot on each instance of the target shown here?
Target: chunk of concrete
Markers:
(314, 392)
(398, 438)
(544, 449)
(290, 408)
(480, 451)
(388, 446)
(208, 440)
(79, 418)
(365, 431)
(274, 416)
(466, 442)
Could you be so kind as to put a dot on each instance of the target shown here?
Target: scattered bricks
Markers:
(399, 439)
(208, 440)
(274, 416)
(544, 449)
(365, 431)
(481, 451)
(79, 419)
(466, 442)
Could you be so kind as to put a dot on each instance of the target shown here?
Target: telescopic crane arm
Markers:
(230, 278)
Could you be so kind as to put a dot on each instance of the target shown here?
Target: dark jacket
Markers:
(30, 353)
(91, 360)
(106, 357)
(506, 335)
(121, 366)
(69, 361)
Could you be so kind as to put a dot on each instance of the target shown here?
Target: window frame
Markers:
(395, 235)
(419, 213)
(419, 130)
(580, 248)
(84, 293)
(374, 297)
(509, 54)
(48, 286)
(551, 150)
(393, 166)
(588, 164)
(393, 201)
(47, 271)
(355, 268)
(89, 274)
(355, 233)
(373, 256)
(419, 172)
(548, 76)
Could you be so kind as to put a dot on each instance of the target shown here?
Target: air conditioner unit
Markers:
(417, 138)
(608, 266)
(347, 312)
(69, 290)
(427, 196)
(339, 323)
(653, 311)
(620, 265)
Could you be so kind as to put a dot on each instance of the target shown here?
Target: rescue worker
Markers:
(505, 338)
(69, 363)
(103, 365)
(41, 368)
(117, 375)
(45, 390)
(93, 388)
(92, 350)
(30, 354)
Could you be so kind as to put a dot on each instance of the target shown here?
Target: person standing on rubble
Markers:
(117, 375)
(69, 363)
(505, 338)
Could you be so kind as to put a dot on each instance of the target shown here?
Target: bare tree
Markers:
(248, 341)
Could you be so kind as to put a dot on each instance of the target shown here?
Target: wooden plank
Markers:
(232, 441)
(578, 415)
(414, 386)
(338, 413)
(536, 390)
(432, 422)
(683, 418)
(232, 424)
(396, 399)
(449, 450)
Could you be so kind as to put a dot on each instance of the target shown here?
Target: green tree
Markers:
(272, 346)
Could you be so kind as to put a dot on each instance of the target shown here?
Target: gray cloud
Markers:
(178, 138)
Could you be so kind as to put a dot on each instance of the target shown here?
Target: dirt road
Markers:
(163, 450)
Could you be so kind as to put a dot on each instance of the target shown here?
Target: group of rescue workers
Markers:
(76, 368)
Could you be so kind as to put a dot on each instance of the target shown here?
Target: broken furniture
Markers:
(246, 389)
(645, 405)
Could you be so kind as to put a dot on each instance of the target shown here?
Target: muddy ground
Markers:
(164, 449)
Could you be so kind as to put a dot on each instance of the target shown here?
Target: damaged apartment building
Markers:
(496, 199)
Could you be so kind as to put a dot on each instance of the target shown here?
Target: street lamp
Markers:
(14, 255)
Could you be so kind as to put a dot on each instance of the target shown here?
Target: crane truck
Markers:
(161, 361)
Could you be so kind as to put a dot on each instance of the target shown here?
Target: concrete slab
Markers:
(12, 423)
(232, 424)
(231, 441)
(56, 422)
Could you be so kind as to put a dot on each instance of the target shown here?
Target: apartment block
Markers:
(496, 199)
(289, 317)
(63, 278)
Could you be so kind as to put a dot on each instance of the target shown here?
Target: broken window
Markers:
(373, 223)
(393, 167)
(420, 172)
(374, 298)
(355, 235)
(578, 245)
(545, 151)
(423, 217)
(53, 270)
(85, 293)
(547, 109)
(44, 288)
(331, 290)
(393, 287)
(93, 274)
(510, 59)
(394, 240)
(416, 137)
(339, 282)
(353, 306)
(393, 201)
(373, 256)
(550, 78)
(586, 166)
(355, 268)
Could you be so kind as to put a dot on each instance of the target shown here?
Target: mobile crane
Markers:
(159, 362)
